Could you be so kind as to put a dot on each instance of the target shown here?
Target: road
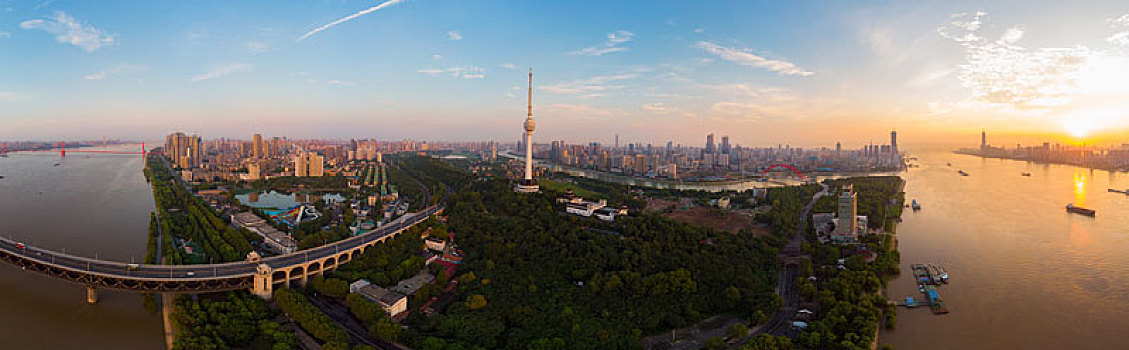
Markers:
(781, 321)
(146, 272)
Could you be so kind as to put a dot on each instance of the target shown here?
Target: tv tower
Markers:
(527, 184)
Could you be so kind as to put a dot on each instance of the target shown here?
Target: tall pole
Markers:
(529, 132)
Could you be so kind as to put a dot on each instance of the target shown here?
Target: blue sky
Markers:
(809, 73)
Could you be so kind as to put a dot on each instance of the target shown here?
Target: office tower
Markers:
(847, 226)
(616, 141)
(725, 144)
(838, 150)
(258, 146)
(709, 143)
(983, 140)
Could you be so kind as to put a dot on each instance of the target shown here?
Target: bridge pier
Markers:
(91, 295)
(264, 282)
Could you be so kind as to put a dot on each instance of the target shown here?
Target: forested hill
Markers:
(549, 280)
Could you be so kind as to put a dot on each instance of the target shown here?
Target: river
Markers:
(96, 204)
(1024, 273)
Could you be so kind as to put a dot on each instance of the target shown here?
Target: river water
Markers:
(89, 205)
(1024, 273)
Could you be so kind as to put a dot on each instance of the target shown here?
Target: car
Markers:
(20, 246)
(132, 267)
(190, 274)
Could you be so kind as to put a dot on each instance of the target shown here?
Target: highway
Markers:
(145, 272)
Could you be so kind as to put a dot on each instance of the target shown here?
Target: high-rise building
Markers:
(709, 144)
(258, 146)
(847, 227)
(725, 144)
(183, 150)
(983, 140)
(616, 141)
(254, 170)
(527, 184)
(309, 164)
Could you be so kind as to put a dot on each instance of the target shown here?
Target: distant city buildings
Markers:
(183, 150)
(714, 161)
(1109, 158)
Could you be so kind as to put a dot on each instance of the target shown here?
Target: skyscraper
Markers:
(725, 144)
(616, 141)
(183, 150)
(709, 143)
(847, 228)
(983, 140)
(309, 164)
(528, 185)
(258, 146)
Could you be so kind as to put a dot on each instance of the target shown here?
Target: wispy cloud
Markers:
(258, 46)
(611, 45)
(70, 31)
(349, 18)
(113, 71)
(5, 35)
(997, 71)
(339, 83)
(746, 58)
(454, 35)
(465, 72)
(591, 85)
(581, 111)
(222, 71)
(657, 107)
(437, 57)
(11, 96)
(508, 65)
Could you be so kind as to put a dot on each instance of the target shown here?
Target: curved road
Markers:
(781, 321)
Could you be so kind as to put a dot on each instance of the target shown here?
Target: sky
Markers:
(807, 73)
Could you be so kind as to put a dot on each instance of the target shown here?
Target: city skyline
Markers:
(678, 71)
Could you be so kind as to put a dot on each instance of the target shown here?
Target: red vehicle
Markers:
(21, 246)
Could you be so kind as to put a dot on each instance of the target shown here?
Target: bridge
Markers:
(260, 275)
(62, 150)
(795, 171)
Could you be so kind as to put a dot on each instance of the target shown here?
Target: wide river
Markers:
(1024, 273)
(88, 205)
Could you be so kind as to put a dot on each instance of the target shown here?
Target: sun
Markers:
(1079, 127)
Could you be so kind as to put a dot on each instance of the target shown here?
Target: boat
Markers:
(1114, 190)
(1026, 174)
(962, 173)
(1080, 210)
(915, 205)
(948, 164)
(939, 274)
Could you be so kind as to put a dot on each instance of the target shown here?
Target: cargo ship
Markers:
(935, 302)
(1080, 210)
(1114, 190)
(1026, 174)
(962, 173)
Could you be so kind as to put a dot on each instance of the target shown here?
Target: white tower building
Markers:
(527, 184)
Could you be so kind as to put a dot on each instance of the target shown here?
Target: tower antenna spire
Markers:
(530, 93)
